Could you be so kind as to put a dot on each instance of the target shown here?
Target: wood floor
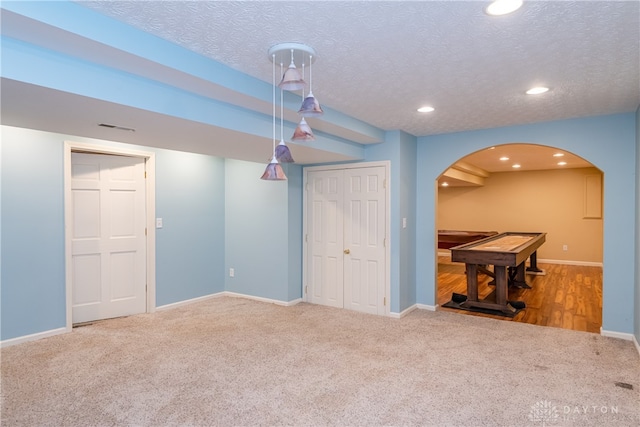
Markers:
(568, 296)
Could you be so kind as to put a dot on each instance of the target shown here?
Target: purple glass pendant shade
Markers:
(310, 107)
(283, 154)
(303, 132)
(292, 80)
(274, 171)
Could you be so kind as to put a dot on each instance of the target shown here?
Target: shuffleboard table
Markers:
(503, 251)
(450, 238)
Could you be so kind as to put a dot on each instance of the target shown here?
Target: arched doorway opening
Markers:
(552, 191)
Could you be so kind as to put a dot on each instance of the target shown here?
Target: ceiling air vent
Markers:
(106, 125)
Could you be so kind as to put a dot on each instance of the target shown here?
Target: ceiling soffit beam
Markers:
(141, 54)
(459, 175)
(470, 169)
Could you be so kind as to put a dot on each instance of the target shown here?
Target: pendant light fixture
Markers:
(292, 80)
(274, 171)
(283, 154)
(310, 105)
(303, 132)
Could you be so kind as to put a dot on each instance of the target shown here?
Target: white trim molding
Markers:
(403, 312)
(189, 301)
(261, 299)
(635, 342)
(32, 337)
(413, 307)
(620, 335)
(150, 204)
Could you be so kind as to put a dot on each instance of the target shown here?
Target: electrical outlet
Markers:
(565, 247)
(232, 272)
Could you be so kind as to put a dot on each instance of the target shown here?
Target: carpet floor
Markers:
(236, 362)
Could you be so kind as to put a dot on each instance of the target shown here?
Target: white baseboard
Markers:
(229, 294)
(620, 335)
(32, 337)
(428, 307)
(189, 301)
(413, 307)
(261, 299)
(569, 262)
(403, 312)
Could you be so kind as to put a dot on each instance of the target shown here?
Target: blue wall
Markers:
(189, 249)
(258, 233)
(400, 148)
(33, 274)
(210, 205)
(217, 214)
(637, 232)
(294, 230)
(190, 191)
(609, 142)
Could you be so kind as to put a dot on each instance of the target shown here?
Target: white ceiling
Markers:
(379, 61)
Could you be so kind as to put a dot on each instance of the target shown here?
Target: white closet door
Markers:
(109, 242)
(364, 233)
(325, 250)
(346, 228)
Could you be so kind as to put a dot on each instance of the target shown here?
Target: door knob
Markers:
(347, 251)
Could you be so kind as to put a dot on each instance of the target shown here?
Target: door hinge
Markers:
(384, 242)
(305, 289)
(384, 301)
(145, 231)
(384, 183)
(306, 237)
(145, 174)
(306, 186)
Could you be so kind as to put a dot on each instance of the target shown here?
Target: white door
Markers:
(108, 245)
(364, 234)
(346, 224)
(325, 224)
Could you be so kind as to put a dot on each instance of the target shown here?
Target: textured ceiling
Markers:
(380, 61)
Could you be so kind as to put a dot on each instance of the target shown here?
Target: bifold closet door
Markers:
(346, 220)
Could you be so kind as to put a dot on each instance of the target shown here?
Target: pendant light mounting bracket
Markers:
(301, 53)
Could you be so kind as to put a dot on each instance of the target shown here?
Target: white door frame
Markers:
(387, 165)
(150, 203)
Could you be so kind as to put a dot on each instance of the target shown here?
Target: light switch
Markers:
(404, 222)
(158, 222)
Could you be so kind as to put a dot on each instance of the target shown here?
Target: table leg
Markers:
(533, 263)
(501, 284)
(472, 282)
(519, 281)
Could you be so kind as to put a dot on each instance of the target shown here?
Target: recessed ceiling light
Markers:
(503, 7)
(562, 163)
(425, 109)
(516, 166)
(504, 158)
(445, 184)
(558, 155)
(537, 90)
(491, 148)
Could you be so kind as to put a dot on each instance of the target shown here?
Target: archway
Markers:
(485, 193)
